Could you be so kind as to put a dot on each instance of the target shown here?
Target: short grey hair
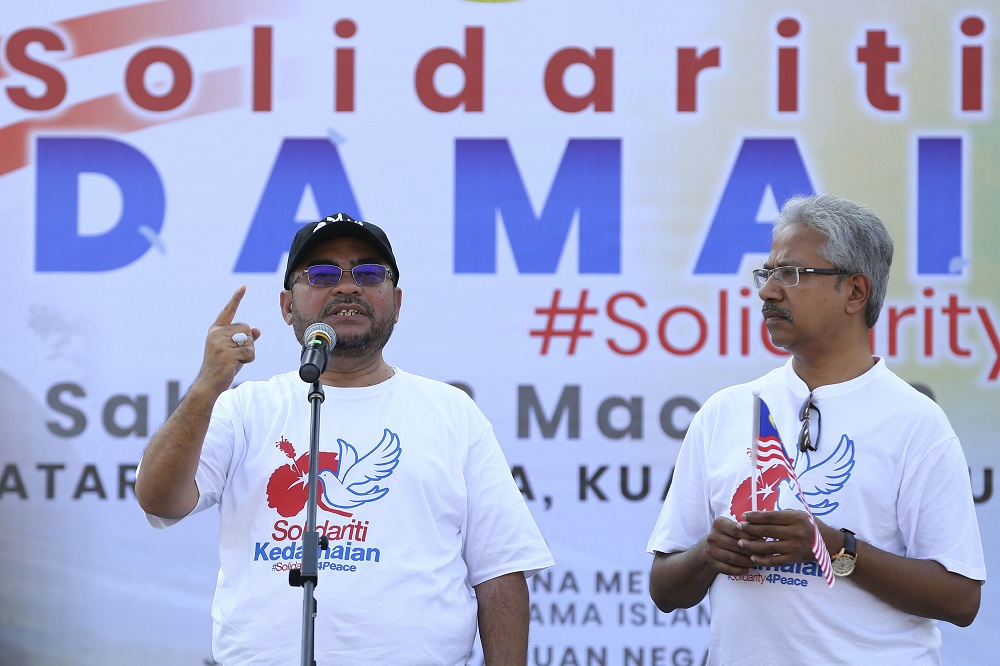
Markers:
(856, 240)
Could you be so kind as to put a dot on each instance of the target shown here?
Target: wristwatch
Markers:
(843, 562)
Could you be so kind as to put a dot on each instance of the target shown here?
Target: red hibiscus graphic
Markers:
(767, 492)
(287, 489)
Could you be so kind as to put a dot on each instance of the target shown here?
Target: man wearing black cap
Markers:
(427, 530)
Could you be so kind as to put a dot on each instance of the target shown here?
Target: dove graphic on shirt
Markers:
(356, 480)
(818, 478)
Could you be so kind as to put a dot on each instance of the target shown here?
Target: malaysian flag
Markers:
(768, 451)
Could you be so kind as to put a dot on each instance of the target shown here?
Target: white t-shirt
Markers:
(888, 467)
(415, 497)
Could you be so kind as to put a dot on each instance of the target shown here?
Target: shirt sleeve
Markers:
(686, 516)
(214, 463)
(501, 536)
(937, 515)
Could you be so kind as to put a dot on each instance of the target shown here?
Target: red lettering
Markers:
(135, 79)
(788, 68)
(952, 311)
(638, 328)
(702, 330)
(972, 66)
(991, 331)
(745, 324)
(876, 54)
(280, 530)
(262, 67)
(689, 66)
(723, 322)
(896, 316)
(18, 59)
(601, 66)
(471, 64)
(928, 326)
(344, 68)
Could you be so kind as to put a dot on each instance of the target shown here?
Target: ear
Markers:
(859, 287)
(285, 299)
(398, 295)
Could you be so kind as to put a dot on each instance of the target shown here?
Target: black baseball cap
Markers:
(337, 226)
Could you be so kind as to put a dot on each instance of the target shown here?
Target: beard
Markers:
(350, 345)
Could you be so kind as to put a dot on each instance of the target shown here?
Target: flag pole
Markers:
(766, 445)
(754, 443)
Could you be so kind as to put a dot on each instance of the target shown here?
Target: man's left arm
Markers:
(503, 619)
(915, 586)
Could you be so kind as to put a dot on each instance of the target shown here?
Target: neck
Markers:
(833, 368)
(345, 373)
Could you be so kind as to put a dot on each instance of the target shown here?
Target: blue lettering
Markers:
(260, 552)
(735, 230)
(939, 206)
(301, 163)
(60, 246)
(587, 184)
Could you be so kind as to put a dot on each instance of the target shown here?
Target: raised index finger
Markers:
(228, 313)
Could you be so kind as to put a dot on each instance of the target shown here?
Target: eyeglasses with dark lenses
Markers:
(325, 275)
(806, 441)
(788, 276)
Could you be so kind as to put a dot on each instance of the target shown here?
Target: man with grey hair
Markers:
(881, 471)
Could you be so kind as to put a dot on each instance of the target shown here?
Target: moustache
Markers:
(355, 302)
(775, 309)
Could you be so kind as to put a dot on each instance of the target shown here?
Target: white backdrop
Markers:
(576, 192)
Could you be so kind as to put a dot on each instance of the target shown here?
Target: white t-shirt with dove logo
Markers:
(415, 497)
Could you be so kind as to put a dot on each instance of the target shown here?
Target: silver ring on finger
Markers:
(240, 338)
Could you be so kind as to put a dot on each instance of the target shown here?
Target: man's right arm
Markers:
(165, 485)
(681, 579)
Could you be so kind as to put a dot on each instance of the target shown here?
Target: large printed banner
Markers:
(576, 191)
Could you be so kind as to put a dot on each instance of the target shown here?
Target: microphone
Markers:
(319, 340)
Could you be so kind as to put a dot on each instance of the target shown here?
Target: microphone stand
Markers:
(307, 577)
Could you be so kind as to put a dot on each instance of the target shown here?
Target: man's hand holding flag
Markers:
(768, 453)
